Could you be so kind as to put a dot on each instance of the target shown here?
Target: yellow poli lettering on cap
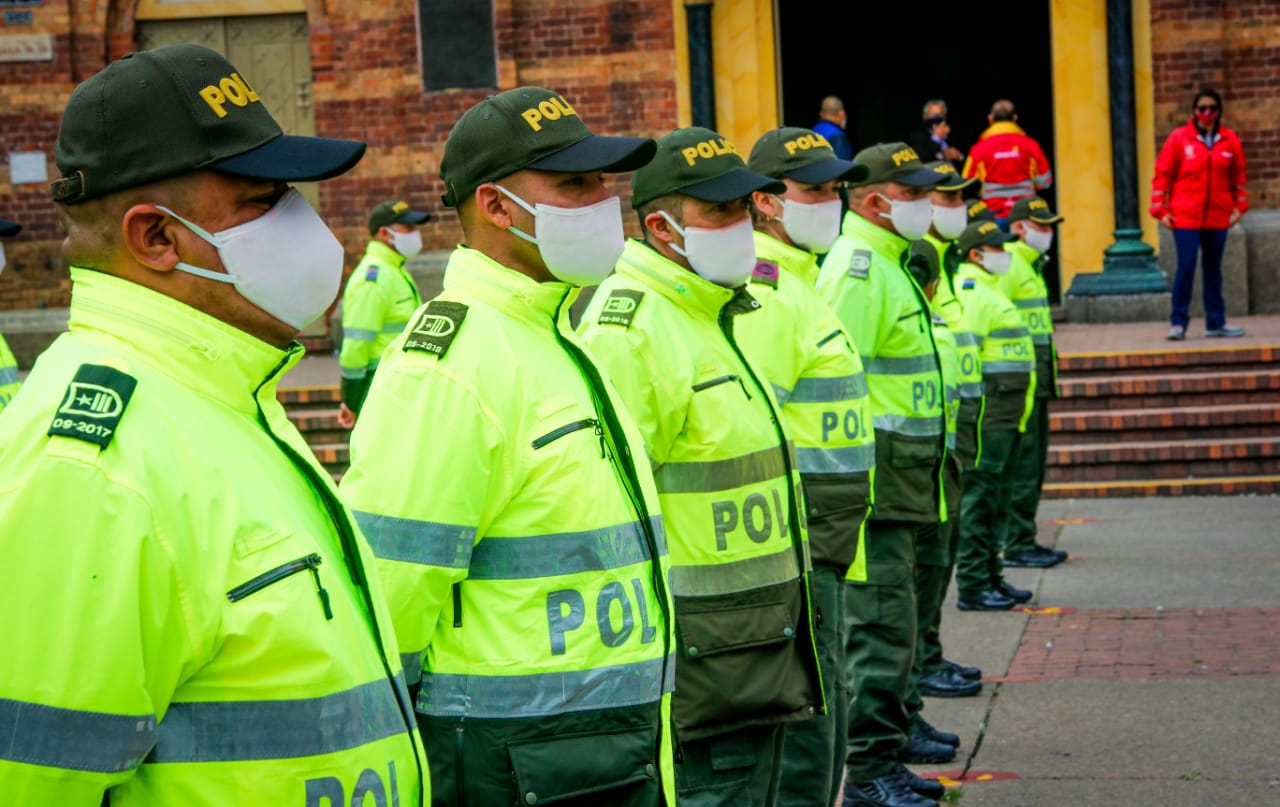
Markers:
(554, 108)
(904, 156)
(399, 207)
(987, 227)
(708, 149)
(947, 168)
(233, 89)
(806, 142)
(1038, 204)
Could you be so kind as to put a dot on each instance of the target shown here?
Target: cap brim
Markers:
(920, 178)
(606, 153)
(8, 228)
(737, 184)
(828, 170)
(955, 182)
(1053, 219)
(293, 158)
(413, 217)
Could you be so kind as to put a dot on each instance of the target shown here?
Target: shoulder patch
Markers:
(937, 320)
(766, 273)
(620, 307)
(860, 263)
(371, 273)
(95, 401)
(967, 283)
(435, 329)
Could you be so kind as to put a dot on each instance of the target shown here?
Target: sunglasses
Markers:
(935, 120)
(1206, 108)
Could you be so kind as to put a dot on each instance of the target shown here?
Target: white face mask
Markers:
(910, 218)
(579, 245)
(407, 244)
(815, 226)
(1037, 240)
(950, 221)
(285, 262)
(725, 256)
(996, 261)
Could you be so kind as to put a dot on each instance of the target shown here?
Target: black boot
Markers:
(886, 791)
(920, 750)
(930, 732)
(929, 788)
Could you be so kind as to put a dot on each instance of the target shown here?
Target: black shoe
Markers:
(969, 673)
(988, 600)
(1018, 595)
(1055, 553)
(945, 737)
(886, 791)
(929, 788)
(946, 684)
(920, 750)
(1030, 559)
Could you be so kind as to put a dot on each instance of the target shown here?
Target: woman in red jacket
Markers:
(1199, 193)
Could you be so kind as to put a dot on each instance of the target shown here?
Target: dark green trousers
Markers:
(935, 562)
(880, 648)
(741, 767)
(1028, 481)
(813, 752)
(984, 508)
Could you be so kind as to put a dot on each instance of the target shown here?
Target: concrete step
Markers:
(1211, 359)
(304, 399)
(1191, 459)
(319, 426)
(333, 456)
(1262, 485)
(1176, 423)
(1161, 390)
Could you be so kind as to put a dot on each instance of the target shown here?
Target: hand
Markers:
(1235, 216)
(1167, 220)
(346, 418)
(952, 153)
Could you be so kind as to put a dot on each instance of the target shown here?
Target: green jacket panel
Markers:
(1008, 357)
(240, 649)
(1025, 287)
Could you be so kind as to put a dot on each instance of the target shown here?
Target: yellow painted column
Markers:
(1082, 115)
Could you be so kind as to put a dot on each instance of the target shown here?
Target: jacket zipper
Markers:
(459, 767)
(577, 425)
(279, 573)
(1208, 183)
(724, 379)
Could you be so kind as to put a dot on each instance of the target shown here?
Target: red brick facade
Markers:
(614, 61)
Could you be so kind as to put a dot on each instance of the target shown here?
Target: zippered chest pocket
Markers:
(306, 564)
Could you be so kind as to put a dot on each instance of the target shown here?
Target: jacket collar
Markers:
(685, 288)
(206, 355)
(979, 274)
(1002, 127)
(1023, 250)
(800, 262)
(384, 254)
(884, 242)
(510, 291)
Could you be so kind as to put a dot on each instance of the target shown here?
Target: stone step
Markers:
(1211, 359)
(1191, 459)
(1176, 423)
(319, 426)
(1161, 390)
(303, 399)
(1262, 485)
(333, 456)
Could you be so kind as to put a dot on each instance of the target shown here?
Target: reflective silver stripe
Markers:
(780, 393)
(1014, 189)
(543, 694)
(966, 339)
(1044, 180)
(536, 556)
(1005, 367)
(359, 334)
(427, 542)
(971, 389)
(911, 427)
(1041, 339)
(835, 460)
(1032, 302)
(411, 663)
(72, 739)
(393, 327)
(1009, 333)
(717, 475)
(829, 390)
(951, 441)
(223, 731)
(740, 575)
(355, 372)
(8, 375)
(902, 365)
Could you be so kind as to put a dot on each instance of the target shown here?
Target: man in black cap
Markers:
(241, 651)
(664, 325)
(379, 299)
(9, 381)
(506, 491)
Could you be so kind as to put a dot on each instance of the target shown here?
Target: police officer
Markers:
(506, 492)
(9, 381)
(863, 279)
(1033, 222)
(378, 300)
(1008, 368)
(666, 326)
(241, 652)
(804, 352)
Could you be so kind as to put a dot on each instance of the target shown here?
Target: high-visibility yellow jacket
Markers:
(962, 452)
(512, 509)
(9, 381)
(1025, 287)
(376, 305)
(1008, 358)
(729, 490)
(949, 361)
(190, 615)
(816, 374)
(889, 319)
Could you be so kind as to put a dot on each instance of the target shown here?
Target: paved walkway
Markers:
(1263, 329)
(1152, 675)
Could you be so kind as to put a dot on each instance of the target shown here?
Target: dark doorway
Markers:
(967, 59)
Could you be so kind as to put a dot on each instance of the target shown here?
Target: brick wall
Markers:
(614, 61)
(1232, 46)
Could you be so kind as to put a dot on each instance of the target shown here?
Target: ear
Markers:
(151, 237)
(975, 256)
(657, 224)
(493, 205)
(767, 204)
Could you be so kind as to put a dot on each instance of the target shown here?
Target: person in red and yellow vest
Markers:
(1010, 163)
